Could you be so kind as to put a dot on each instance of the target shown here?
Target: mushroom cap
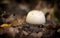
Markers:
(35, 17)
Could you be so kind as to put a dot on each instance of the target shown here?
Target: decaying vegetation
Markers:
(13, 14)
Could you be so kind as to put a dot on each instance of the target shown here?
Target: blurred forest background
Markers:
(10, 5)
(14, 12)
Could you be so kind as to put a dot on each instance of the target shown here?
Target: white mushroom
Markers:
(35, 17)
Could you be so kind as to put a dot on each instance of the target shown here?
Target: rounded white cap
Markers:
(35, 17)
